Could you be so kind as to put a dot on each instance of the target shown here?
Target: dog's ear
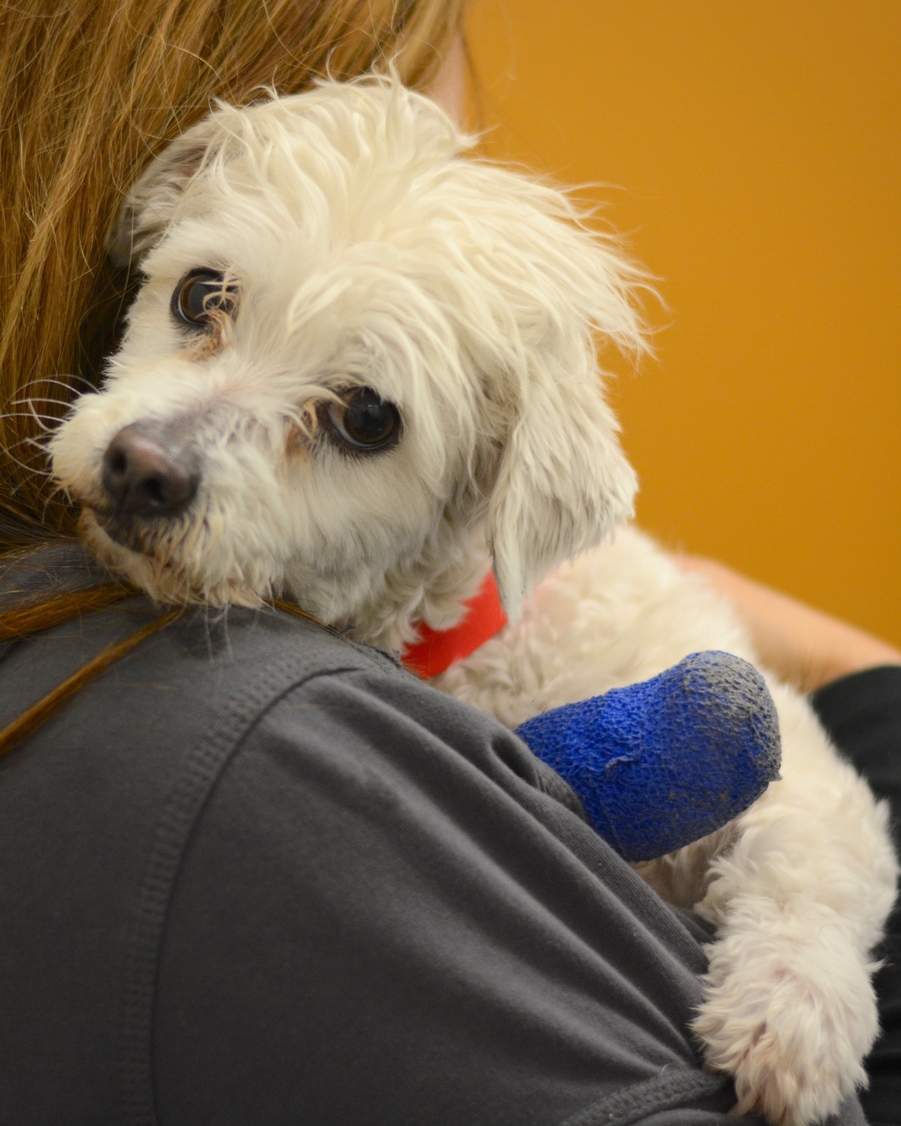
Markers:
(559, 291)
(149, 205)
(562, 485)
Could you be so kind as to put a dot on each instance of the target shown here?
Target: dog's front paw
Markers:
(790, 1018)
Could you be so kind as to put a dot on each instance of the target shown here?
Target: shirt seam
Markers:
(177, 822)
(668, 1090)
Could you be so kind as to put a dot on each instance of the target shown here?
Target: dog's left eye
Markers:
(200, 295)
(364, 421)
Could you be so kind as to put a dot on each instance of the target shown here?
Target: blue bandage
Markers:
(660, 764)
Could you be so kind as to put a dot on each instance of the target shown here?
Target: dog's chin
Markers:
(128, 550)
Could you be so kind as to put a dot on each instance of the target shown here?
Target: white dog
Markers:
(361, 372)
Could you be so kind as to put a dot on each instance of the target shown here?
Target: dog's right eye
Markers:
(200, 295)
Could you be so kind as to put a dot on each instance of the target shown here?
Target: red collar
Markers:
(436, 650)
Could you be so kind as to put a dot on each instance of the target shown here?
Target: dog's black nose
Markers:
(150, 470)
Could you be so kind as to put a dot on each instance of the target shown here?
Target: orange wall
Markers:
(755, 155)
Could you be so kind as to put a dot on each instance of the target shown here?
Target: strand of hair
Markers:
(58, 609)
(29, 721)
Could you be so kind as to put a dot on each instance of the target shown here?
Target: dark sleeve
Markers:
(384, 917)
(862, 714)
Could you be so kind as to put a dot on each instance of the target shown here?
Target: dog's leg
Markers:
(798, 902)
(798, 888)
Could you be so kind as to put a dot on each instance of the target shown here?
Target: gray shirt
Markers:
(257, 874)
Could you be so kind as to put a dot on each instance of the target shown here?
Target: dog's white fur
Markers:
(365, 250)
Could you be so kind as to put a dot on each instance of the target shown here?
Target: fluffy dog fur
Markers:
(360, 248)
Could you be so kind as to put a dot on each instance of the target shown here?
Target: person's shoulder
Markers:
(145, 703)
(240, 643)
(199, 652)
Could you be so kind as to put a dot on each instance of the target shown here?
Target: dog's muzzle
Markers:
(150, 470)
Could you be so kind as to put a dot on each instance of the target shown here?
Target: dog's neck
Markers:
(437, 649)
(388, 607)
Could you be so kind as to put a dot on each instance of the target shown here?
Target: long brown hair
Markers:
(90, 91)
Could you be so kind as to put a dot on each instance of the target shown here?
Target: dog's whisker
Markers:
(45, 419)
(39, 419)
(57, 491)
(29, 439)
(29, 468)
(65, 382)
(43, 426)
(38, 444)
(42, 399)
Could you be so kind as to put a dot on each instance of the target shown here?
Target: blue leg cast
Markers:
(660, 764)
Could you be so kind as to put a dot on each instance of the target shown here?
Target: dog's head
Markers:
(358, 361)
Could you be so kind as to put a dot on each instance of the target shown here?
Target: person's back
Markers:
(257, 873)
